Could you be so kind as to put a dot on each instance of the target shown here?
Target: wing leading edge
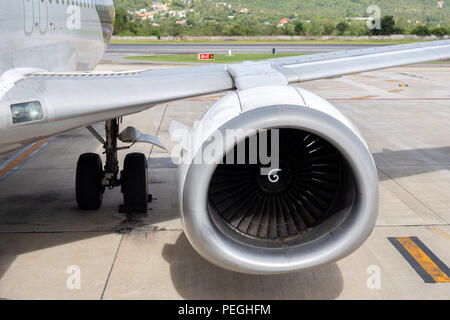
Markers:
(319, 66)
(73, 100)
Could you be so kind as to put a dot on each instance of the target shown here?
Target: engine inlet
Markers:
(293, 199)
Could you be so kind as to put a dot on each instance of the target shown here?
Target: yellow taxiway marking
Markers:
(362, 98)
(396, 90)
(206, 98)
(424, 260)
(440, 232)
(392, 80)
(22, 157)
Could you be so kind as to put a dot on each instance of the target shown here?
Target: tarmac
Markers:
(47, 244)
(116, 52)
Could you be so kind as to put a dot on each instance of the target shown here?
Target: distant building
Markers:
(226, 5)
(441, 4)
(244, 10)
(143, 15)
(282, 22)
(361, 19)
(158, 6)
(176, 13)
(148, 16)
(182, 23)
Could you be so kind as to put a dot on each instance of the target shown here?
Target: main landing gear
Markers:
(92, 179)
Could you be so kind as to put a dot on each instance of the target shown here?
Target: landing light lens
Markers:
(27, 112)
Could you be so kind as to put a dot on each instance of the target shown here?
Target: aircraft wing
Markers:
(319, 66)
(73, 100)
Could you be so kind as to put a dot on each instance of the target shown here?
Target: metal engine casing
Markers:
(267, 108)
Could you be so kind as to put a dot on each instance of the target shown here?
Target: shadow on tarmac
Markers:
(56, 213)
(186, 265)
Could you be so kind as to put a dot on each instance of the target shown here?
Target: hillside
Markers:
(426, 10)
(263, 16)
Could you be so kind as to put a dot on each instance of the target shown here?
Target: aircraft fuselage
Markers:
(48, 35)
(54, 35)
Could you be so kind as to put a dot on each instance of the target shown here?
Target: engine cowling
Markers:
(317, 205)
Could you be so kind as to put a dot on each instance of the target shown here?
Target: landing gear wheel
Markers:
(134, 181)
(89, 190)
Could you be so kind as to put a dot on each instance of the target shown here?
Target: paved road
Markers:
(117, 51)
(42, 233)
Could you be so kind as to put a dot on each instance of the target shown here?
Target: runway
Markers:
(117, 51)
(404, 114)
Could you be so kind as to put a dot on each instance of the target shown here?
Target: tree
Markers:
(122, 21)
(236, 30)
(177, 30)
(287, 30)
(327, 29)
(439, 32)
(218, 29)
(299, 28)
(341, 27)
(421, 31)
(387, 25)
(206, 15)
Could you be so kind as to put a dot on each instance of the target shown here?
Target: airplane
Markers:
(318, 206)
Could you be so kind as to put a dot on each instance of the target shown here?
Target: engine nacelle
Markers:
(317, 205)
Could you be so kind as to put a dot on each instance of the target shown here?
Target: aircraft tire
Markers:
(134, 181)
(89, 174)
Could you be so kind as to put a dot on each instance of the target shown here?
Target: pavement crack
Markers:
(122, 230)
(413, 225)
(412, 195)
(112, 266)
(157, 229)
(61, 232)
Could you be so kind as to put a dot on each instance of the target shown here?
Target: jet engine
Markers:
(314, 202)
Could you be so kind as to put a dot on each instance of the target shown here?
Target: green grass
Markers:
(439, 62)
(308, 41)
(220, 58)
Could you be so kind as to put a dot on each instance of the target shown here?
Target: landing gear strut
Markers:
(92, 180)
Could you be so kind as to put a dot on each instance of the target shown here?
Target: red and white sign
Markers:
(206, 56)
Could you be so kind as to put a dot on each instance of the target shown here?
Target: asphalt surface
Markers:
(117, 51)
(403, 113)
